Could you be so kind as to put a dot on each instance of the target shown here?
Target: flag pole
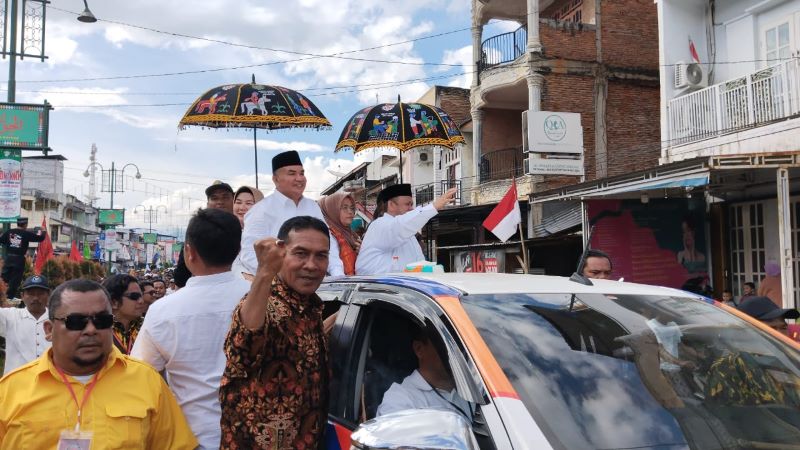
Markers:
(524, 252)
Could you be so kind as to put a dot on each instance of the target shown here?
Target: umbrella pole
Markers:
(255, 153)
(401, 166)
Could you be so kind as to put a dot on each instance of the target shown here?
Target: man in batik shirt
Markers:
(274, 392)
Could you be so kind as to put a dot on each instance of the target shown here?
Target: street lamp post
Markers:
(109, 184)
(151, 214)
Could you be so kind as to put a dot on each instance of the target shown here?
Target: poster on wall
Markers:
(481, 261)
(662, 242)
(10, 185)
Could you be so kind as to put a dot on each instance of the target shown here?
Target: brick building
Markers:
(598, 58)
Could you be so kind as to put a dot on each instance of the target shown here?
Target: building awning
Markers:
(676, 176)
(682, 181)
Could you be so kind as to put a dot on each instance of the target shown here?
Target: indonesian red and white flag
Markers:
(506, 216)
(693, 51)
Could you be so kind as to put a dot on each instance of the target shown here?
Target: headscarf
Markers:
(257, 195)
(331, 207)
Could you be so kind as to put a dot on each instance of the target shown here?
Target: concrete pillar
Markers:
(535, 83)
(477, 135)
(477, 32)
(534, 44)
(785, 239)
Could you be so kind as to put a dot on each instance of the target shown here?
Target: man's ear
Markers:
(48, 330)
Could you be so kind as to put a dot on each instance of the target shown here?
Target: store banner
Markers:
(10, 185)
(480, 261)
(662, 242)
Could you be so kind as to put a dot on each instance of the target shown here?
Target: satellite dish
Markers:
(336, 174)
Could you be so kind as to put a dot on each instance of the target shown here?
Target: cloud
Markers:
(461, 56)
(263, 144)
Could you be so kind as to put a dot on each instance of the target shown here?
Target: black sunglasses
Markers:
(77, 322)
(133, 296)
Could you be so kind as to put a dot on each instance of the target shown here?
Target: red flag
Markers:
(45, 250)
(74, 254)
(506, 216)
(693, 51)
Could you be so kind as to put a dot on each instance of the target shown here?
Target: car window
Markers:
(627, 371)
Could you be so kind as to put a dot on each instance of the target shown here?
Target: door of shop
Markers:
(748, 253)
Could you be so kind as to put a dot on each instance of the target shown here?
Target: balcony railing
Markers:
(427, 192)
(767, 95)
(424, 194)
(501, 164)
(503, 48)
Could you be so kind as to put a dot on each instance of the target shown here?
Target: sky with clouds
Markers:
(106, 85)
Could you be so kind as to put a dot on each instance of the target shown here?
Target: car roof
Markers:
(501, 283)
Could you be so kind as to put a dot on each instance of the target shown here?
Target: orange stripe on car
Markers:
(758, 324)
(496, 380)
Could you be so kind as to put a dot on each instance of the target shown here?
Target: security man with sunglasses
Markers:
(83, 393)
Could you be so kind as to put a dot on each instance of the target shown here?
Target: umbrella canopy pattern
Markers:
(254, 106)
(399, 125)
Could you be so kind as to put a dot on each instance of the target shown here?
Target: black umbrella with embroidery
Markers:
(255, 106)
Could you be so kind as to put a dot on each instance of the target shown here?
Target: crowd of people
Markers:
(231, 352)
(235, 334)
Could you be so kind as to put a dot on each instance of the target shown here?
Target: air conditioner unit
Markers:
(690, 76)
(424, 157)
(525, 147)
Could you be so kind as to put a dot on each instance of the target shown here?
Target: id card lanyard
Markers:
(80, 404)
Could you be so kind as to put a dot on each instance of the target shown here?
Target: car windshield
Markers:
(604, 371)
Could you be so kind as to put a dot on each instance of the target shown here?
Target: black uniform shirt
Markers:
(18, 239)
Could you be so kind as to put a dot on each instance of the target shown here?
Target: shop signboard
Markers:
(150, 238)
(554, 132)
(480, 261)
(24, 126)
(10, 185)
(111, 217)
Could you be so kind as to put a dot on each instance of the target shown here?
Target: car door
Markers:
(371, 312)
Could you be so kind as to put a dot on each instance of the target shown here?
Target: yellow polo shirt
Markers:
(130, 407)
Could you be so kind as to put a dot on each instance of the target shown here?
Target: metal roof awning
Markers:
(683, 175)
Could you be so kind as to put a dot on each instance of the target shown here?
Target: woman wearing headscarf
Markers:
(339, 210)
(243, 200)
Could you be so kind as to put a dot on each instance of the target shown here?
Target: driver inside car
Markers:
(430, 386)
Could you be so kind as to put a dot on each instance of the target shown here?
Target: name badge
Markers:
(75, 440)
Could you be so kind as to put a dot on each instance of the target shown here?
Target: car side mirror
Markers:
(415, 429)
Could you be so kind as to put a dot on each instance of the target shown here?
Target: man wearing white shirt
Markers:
(394, 233)
(184, 333)
(266, 217)
(430, 386)
(23, 328)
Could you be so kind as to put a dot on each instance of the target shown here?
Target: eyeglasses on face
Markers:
(77, 322)
(133, 295)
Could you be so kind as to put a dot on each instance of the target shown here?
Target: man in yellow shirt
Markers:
(83, 393)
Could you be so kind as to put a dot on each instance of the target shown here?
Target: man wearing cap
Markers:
(220, 196)
(16, 242)
(266, 217)
(23, 328)
(393, 233)
(773, 316)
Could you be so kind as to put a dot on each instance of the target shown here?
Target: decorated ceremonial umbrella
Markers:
(399, 125)
(254, 106)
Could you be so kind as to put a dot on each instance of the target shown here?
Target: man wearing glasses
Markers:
(128, 306)
(83, 393)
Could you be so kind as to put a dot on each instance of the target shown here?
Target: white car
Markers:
(545, 362)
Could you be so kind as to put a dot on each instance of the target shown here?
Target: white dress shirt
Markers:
(389, 236)
(24, 336)
(184, 334)
(416, 393)
(265, 219)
